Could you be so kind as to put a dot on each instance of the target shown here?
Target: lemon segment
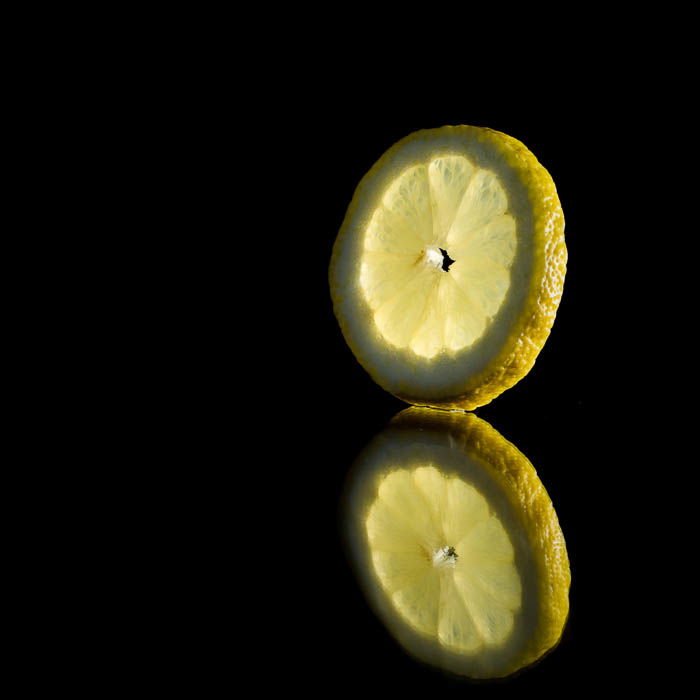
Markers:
(449, 266)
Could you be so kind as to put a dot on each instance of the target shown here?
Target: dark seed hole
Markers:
(446, 260)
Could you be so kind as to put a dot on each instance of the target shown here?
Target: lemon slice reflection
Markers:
(457, 545)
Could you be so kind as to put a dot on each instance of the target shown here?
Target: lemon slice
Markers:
(457, 544)
(449, 266)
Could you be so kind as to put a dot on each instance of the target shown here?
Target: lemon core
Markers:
(445, 556)
(433, 256)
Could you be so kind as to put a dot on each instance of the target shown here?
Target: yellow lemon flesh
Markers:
(457, 545)
(449, 266)
(464, 594)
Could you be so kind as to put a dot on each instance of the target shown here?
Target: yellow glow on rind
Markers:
(449, 204)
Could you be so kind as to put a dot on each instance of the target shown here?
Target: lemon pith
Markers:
(457, 544)
(449, 266)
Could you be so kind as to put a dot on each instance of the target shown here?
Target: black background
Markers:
(569, 415)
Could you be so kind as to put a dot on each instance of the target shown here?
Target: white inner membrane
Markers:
(444, 559)
(445, 204)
